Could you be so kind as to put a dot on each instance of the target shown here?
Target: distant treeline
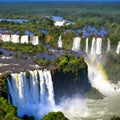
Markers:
(97, 14)
(72, 10)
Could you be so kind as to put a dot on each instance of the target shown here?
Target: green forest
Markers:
(83, 14)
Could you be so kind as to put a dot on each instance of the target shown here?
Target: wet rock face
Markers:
(68, 84)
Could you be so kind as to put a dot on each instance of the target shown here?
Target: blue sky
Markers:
(60, 0)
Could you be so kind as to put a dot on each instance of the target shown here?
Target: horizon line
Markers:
(59, 1)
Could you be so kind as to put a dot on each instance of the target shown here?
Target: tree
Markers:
(70, 63)
(54, 116)
(7, 111)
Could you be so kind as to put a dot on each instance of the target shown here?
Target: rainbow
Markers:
(102, 71)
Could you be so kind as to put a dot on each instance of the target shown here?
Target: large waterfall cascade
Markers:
(95, 48)
(33, 90)
(60, 42)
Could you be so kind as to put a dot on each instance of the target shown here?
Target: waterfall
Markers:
(108, 45)
(86, 47)
(93, 46)
(42, 85)
(96, 46)
(98, 77)
(34, 40)
(15, 38)
(18, 89)
(24, 39)
(34, 86)
(60, 42)
(29, 93)
(5, 38)
(118, 48)
(76, 44)
(11, 89)
(48, 80)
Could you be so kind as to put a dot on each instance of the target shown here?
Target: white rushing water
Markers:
(88, 109)
(86, 47)
(93, 46)
(118, 48)
(76, 44)
(60, 42)
(96, 46)
(34, 40)
(31, 93)
(108, 45)
(98, 77)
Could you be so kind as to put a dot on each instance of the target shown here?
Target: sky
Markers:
(60, 0)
